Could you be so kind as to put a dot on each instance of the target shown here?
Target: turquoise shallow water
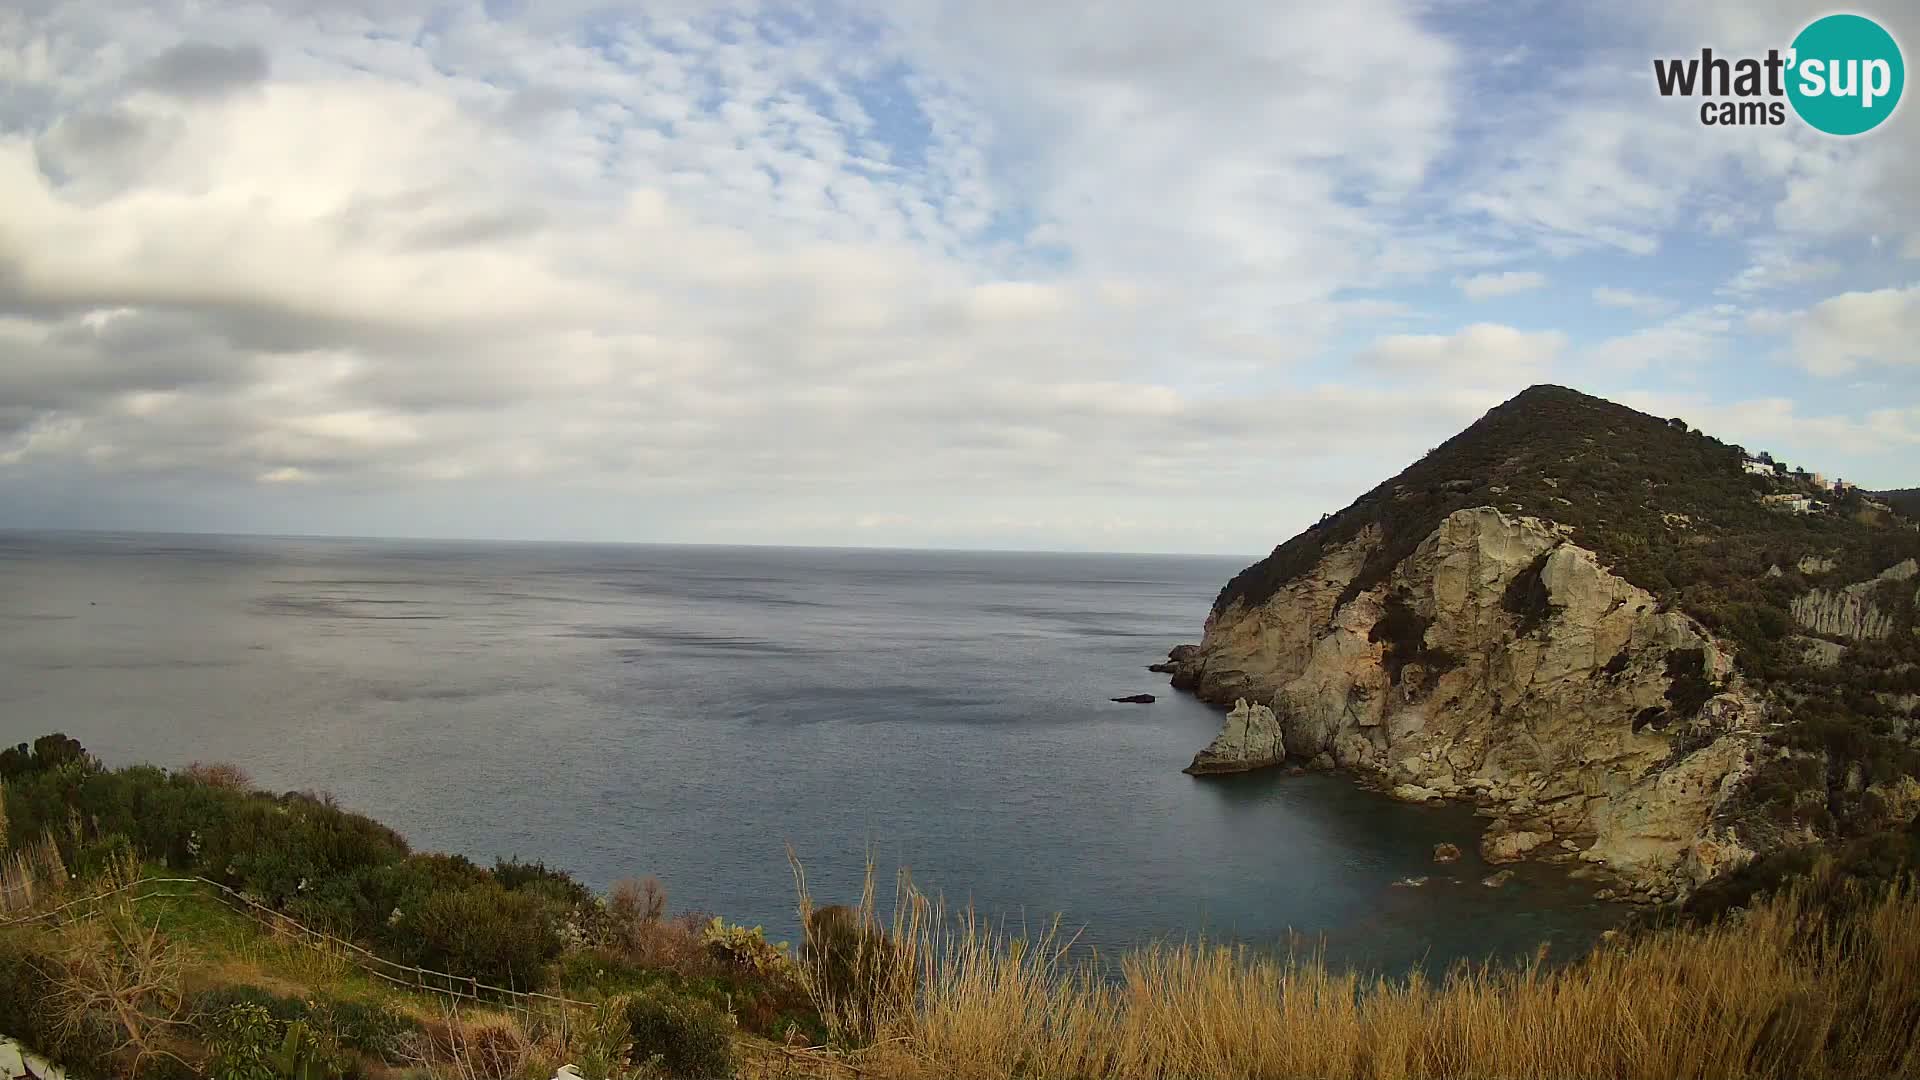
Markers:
(688, 712)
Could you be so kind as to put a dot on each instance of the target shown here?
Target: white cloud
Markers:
(1643, 303)
(1816, 441)
(1689, 342)
(1483, 350)
(1484, 286)
(1851, 330)
(665, 269)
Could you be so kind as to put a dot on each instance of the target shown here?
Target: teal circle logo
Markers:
(1846, 74)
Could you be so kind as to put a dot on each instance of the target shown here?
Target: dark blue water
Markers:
(688, 712)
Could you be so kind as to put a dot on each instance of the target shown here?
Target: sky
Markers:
(1137, 276)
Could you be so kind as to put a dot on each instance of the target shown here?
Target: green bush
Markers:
(686, 1037)
(205, 1008)
(485, 932)
(48, 752)
(1837, 877)
(243, 1038)
(371, 1027)
(275, 847)
(556, 885)
(362, 903)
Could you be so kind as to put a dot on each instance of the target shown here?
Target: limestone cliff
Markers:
(1501, 662)
(1249, 739)
(1850, 611)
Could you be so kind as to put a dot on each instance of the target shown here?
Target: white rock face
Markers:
(1249, 739)
(1850, 612)
(1565, 730)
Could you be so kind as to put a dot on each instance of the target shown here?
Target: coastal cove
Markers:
(688, 712)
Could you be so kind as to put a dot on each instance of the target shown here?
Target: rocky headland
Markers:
(1501, 623)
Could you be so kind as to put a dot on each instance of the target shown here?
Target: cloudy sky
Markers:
(1168, 277)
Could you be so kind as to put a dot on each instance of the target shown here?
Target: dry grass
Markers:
(1789, 990)
(219, 774)
(34, 877)
(117, 981)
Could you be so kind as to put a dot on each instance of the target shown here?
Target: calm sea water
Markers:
(688, 712)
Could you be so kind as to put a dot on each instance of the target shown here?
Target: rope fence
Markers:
(410, 977)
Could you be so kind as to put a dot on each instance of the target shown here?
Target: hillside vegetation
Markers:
(1664, 506)
(1820, 980)
(173, 987)
(1905, 501)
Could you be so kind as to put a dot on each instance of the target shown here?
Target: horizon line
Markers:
(409, 538)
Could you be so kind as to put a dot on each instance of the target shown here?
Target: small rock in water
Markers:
(1135, 699)
(1411, 882)
(1445, 853)
(1494, 881)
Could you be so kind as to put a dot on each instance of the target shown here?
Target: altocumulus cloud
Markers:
(991, 274)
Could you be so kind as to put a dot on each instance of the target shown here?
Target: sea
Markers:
(710, 715)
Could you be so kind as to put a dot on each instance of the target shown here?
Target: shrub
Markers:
(218, 774)
(26, 958)
(114, 992)
(109, 854)
(371, 1027)
(850, 965)
(637, 903)
(746, 950)
(205, 1007)
(362, 903)
(494, 1051)
(1834, 879)
(48, 752)
(687, 1038)
(557, 885)
(485, 932)
(243, 1038)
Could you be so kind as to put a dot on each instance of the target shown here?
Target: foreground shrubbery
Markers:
(337, 871)
(1820, 977)
(69, 827)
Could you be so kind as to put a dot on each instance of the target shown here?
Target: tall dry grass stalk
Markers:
(34, 876)
(1790, 990)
